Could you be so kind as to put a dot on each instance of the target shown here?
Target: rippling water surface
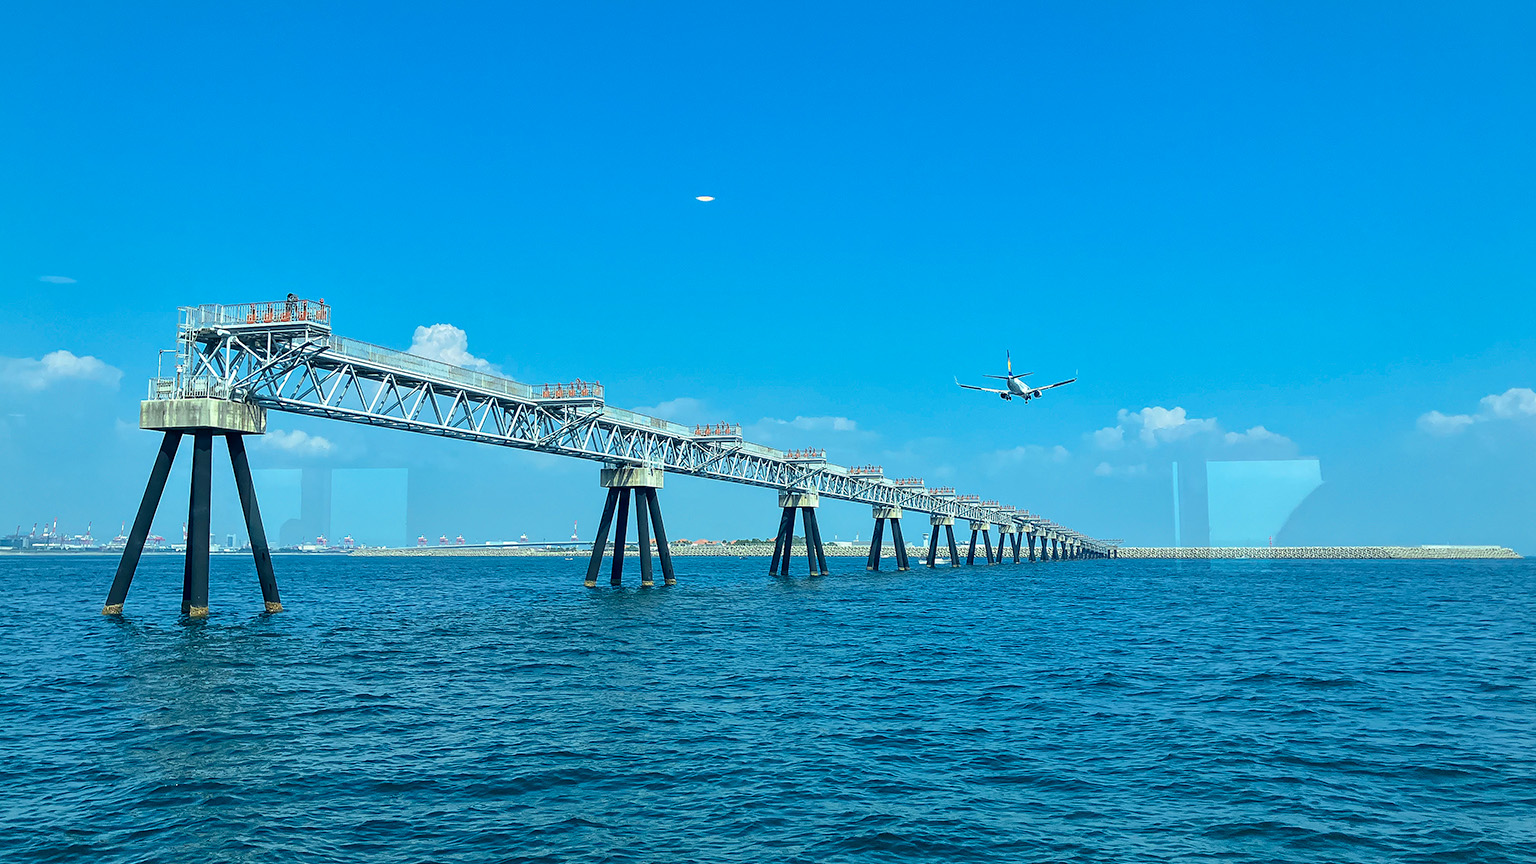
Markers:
(494, 710)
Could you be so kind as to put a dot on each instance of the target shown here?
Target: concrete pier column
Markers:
(876, 545)
(901, 546)
(986, 538)
(626, 482)
(253, 527)
(1031, 548)
(202, 418)
(813, 538)
(118, 593)
(1018, 540)
(954, 552)
(937, 524)
(194, 583)
(790, 502)
(970, 554)
(643, 538)
(884, 513)
(786, 524)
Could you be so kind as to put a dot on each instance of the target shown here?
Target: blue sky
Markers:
(1310, 220)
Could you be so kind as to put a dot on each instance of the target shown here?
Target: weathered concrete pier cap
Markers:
(886, 511)
(203, 415)
(980, 526)
(937, 520)
(630, 477)
(799, 499)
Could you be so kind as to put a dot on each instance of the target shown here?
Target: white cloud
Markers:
(57, 280)
(1032, 453)
(840, 433)
(27, 373)
(1103, 469)
(684, 409)
(1162, 425)
(449, 344)
(809, 424)
(1156, 426)
(297, 442)
(1109, 438)
(1152, 426)
(824, 424)
(1255, 435)
(1512, 404)
(1436, 423)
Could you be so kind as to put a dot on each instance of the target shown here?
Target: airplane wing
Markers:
(1057, 384)
(982, 389)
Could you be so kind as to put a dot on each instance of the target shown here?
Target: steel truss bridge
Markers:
(283, 356)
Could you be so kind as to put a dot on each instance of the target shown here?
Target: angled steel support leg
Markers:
(809, 516)
(620, 539)
(663, 551)
(789, 540)
(986, 537)
(1031, 548)
(118, 593)
(778, 540)
(970, 554)
(901, 546)
(643, 537)
(876, 545)
(954, 553)
(194, 580)
(1017, 541)
(253, 526)
(600, 544)
(814, 552)
(933, 545)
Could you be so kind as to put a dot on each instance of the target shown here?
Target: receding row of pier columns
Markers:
(629, 488)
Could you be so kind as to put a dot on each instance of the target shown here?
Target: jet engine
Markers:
(1007, 397)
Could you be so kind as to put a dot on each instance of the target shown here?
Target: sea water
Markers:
(492, 709)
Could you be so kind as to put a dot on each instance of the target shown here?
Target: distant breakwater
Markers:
(1320, 552)
(915, 552)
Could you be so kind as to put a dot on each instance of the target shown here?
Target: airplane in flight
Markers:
(1016, 385)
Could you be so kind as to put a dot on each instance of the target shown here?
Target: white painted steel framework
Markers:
(284, 357)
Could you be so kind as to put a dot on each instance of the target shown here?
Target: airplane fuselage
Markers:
(1017, 387)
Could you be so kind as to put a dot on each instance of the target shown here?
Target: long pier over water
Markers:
(234, 363)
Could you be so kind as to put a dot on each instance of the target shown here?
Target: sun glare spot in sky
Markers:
(705, 198)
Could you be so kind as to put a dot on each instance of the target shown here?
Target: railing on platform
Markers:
(717, 430)
(291, 311)
(426, 367)
(577, 389)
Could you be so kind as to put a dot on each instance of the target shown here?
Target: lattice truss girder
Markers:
(303, 375)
